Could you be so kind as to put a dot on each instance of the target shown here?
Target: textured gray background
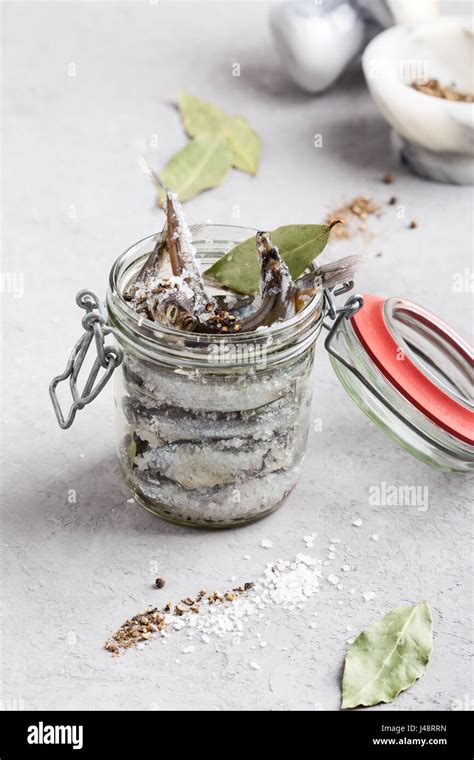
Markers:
(74, 199)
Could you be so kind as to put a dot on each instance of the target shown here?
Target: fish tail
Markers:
(340, 271)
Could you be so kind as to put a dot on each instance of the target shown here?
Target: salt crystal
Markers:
(346, 568)
(352, 591)
(131, 501)
(335, 540)
(246, 556)
(375, 537)
(178, 662)
(357, 522)
(285, 584)
(265, 543)
(313, 625)
(263, 643)
(82, 456)
(368, 595)
(188, 650)
(255, 665)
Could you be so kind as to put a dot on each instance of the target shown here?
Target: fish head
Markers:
(174, 308)
(269, 256)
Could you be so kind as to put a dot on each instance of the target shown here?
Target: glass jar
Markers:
(211, 429)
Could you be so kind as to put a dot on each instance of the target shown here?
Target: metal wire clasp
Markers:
(338, 313)
(108, 357)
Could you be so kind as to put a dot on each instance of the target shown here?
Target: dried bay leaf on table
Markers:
(201, 117)
(299, 245)
(246, 144)
(388, 657)
(201, 164)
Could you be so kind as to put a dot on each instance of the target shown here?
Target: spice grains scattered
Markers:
(353, 216)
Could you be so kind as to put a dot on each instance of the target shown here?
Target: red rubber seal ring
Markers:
(374, 335)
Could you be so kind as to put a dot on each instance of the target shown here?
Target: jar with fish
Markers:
(213, 385)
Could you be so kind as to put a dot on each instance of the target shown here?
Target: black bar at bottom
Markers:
(143, 734)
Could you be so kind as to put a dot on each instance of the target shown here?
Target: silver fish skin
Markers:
(180, 247)
(331, 274)
(274, 301)
(150, 270)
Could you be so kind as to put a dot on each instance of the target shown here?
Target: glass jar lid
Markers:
(411, 374)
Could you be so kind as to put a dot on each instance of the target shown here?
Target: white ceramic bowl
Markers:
(435, 136)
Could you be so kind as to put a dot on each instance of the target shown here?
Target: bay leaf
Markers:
(246, 144)
(388, 657)
(298, 244)
(201, 164)
(201, 117)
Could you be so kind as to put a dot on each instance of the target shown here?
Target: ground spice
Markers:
(357, 210)
(135, 630)
(436, 90)
(160, 582)
(139, 629)
(388, 179)
(413, 224)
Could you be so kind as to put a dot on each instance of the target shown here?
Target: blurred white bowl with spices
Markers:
(421, 77)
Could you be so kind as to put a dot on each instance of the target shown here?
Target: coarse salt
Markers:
(357, 522)
(265, 543)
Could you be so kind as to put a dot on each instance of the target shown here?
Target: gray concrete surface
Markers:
(74, 198)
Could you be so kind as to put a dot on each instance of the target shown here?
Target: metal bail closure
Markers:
(108, 357)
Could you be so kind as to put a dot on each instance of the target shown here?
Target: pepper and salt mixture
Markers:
(206, 441)
(286, 585)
